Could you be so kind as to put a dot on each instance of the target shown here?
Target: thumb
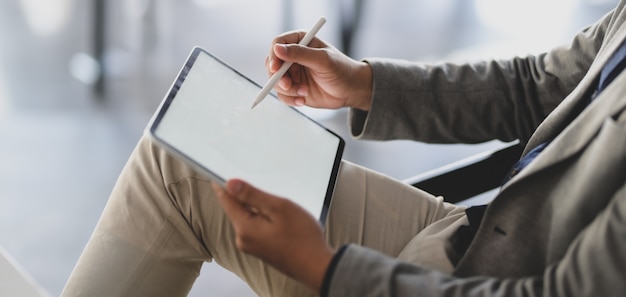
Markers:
(306, 56)
(255, 199)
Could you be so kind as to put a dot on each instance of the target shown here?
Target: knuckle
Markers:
(244, 242)
(286, 99)
(245, 192)
(242, 246)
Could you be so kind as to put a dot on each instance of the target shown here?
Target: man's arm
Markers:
(473, 102)
(594, 265)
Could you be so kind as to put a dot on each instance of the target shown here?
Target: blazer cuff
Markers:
(363, 124)
(358, 271)
(331, 270)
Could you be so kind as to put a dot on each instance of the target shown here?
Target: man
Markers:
(557, 227)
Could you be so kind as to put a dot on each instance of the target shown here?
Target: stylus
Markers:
(283, 69)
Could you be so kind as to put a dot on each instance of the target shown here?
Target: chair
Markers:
(469, 177)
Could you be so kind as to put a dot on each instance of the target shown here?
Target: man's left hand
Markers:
(277, 231)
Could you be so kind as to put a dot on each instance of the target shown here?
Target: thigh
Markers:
(382, 213)
(161, 224)
(367, 208)
(141, 245)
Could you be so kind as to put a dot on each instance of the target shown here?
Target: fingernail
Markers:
(302, 92)
(280, 48)
(299, 102)
(234, 186)
(282, 85)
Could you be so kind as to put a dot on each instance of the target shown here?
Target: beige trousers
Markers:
(162, 222)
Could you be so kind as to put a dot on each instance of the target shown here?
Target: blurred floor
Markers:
(62, 148)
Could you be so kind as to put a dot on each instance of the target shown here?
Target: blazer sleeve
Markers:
(473, 102)
(594, 265)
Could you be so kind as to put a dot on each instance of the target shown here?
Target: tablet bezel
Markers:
(171, 95)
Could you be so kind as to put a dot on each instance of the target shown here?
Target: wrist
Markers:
(319, 265)
(362, 86)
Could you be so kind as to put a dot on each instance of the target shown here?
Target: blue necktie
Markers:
(612, 68)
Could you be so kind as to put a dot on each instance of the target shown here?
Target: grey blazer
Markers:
(556, 229)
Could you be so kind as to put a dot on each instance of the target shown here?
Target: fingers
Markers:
(293, 95)
(292, 37)
(233, 208)
(251, 212)
(286, 48)
(272, 62)
(307, 56)
(293, 87)
(255, 200)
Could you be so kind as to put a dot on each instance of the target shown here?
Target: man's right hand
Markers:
(321, 76)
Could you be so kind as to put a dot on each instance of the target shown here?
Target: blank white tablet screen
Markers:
(275, 148)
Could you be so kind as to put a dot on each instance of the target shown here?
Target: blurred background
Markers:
(79, 80)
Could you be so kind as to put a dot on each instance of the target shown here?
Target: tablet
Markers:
(206, 119)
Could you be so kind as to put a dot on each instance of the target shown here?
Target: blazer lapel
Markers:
(561, 116)
(571, 138)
